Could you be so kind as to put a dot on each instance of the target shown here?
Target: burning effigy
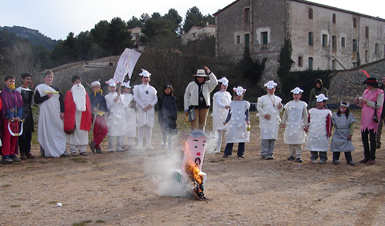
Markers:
(191, 173)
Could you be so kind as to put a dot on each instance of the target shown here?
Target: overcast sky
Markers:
(56, 18)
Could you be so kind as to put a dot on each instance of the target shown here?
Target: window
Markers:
(343, 42)
(264, 38)
(238, 39)
(247, 40)
(376, 49)
(311, 13)
(354, 22)
(334, 18)
(355, 46)
(333, 64)
(246, 15)
(310, 63)
(334, 42)
(366, 32)
(300, 61)
(366, 56)
(324, 40)
(310, 39)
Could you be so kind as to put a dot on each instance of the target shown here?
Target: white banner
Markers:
(126, 64)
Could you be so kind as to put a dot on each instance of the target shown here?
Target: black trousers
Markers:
(25, 142)
(369, 150)
(348, 156)
(229, 149)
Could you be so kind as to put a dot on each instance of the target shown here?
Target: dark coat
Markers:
(167, 114)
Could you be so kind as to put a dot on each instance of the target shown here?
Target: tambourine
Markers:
(17, 134)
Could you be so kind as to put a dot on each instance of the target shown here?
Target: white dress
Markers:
(130, 117)
(267, 104)
(116, 116)
(317, 139)
(220, 100)
(143, 96)
(295, 122)
(237, 130)
(50, 133)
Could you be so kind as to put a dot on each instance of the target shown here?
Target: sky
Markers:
(57, 18)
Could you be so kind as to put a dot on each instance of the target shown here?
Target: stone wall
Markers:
(346, 85)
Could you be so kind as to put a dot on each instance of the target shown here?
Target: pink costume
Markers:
(367, 121)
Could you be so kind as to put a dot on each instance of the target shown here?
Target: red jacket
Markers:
(69, 114)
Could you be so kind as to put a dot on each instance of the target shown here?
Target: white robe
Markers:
(145, 95)
(237, 131)
(50, 133)
(78, 137)
(295, 117)
(220, 100)
(116, 117)
(268, 104)
(317, 139)
(130, 117)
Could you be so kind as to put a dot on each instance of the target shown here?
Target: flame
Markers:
(193, 171)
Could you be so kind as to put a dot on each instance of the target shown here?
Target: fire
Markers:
(192, 169)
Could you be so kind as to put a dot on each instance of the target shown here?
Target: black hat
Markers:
(372, 81)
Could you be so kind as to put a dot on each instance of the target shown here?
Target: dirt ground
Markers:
(123, 189)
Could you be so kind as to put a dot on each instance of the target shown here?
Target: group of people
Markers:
(127, 119)
(308, 127)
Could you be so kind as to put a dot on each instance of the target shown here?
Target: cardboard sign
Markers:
(126, 64)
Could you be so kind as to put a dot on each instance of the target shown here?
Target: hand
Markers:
(207, 70)
(186, 112)
(18, 119)
(49, 95)
(62, 115)
(283, 126)
(349, 137)
(227, 107)
(31, 84)
(279, 105)
(267, 116)
(306, 129)
(224, 123)
(328, 134)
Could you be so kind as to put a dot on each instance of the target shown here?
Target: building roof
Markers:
(315, 4)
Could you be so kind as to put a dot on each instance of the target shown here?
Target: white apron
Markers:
(50, 133)
(220, 100)
(269, 128)
(116, 117)
(130, 115)
(143, 96)
(317, 139)
(237, 130)
(294, 132)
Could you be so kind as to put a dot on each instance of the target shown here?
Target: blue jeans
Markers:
(229, 149)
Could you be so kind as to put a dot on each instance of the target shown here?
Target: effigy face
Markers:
(194, 149)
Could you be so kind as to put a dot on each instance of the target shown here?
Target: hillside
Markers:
(34, 36)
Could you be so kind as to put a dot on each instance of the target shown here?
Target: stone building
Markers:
(197, 32)
(323, 37)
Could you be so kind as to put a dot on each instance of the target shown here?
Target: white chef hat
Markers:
(126, 84)
(344, 104)
(111, 82)
(321, 98)
(95, 83)
(145, 73)
(270, 84)
(224, 81)
(297, 90)
(239, 90)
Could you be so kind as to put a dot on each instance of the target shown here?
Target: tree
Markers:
(159, 27)
(134, 22)
(174, 18)
(193, 18)
(117, 37)
(285, 63)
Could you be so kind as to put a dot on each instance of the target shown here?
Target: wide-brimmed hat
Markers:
(372, 81)
(200, 73)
